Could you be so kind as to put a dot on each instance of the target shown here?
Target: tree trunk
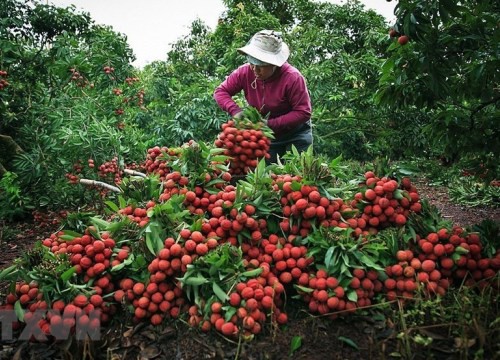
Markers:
(8, 149)
(2, 170)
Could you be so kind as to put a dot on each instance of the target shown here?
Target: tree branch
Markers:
(100, 184)
(479, 108)
(10, 145)
(2, 170)
(134, 173)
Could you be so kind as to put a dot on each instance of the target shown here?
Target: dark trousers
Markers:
(301, 141)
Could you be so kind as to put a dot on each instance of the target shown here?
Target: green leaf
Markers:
(398, 194)
(19, 310)
(366, 260)
(118, 267)
(343, 268)
(74, 234)
(150, 244)
(122, 202)
(195, 281)
(328, 257)
(8, 273)
(296, 186)
(129, 260)
(67, 237)
(412, 233)
(112, 206)
(230, 311)
(304, 289)
(116, 226)
(252, 273)
(352, 296)
(65, 276)
(461, 250)
(219, 292)
(257, 202)
(349, 342)
(296, 343)
(99, 223)
(395, 354)
(140, 261)
(154, 236)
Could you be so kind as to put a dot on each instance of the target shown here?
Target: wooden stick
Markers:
(134, 173)
(100, 184)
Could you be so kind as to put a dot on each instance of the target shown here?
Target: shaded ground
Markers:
(359, 337)
(458, 214)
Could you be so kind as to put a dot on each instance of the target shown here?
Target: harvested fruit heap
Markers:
(184, 242)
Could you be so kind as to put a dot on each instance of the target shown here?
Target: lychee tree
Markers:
(82, 73)
(447, 65)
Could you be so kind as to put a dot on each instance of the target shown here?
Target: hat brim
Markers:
(255, 61)
(270, 58)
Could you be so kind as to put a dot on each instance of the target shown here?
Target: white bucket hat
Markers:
(268, 47)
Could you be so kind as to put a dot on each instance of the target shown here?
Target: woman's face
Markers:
(263, 72)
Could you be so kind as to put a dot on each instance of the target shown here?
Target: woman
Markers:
(275, 88)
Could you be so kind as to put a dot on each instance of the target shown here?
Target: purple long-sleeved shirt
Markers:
(283, 96)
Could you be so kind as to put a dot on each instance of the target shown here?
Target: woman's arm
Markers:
(224, 93)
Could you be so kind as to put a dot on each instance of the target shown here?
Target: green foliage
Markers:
(78, 221)
(383, 166)
(63, 70)
(311, 168)
(467, 181)
(489, 232)
(27, 30)
(470, 192)
(256, 189)
(448, 69)
(15, 204)
(342, 252)
(339, 50)
(216, 273)
(64, 59)
(197, 160)
(468, 315)
(179, 112)
(54, 275)
(138, 190)
(7, 233)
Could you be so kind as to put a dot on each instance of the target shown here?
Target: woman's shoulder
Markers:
(291, 71)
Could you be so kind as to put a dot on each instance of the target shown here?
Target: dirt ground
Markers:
(368, 335)
(458, 214)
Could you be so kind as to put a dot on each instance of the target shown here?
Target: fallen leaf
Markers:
(464, 343)
(150, 352)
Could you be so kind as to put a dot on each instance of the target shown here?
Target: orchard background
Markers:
(154, 208)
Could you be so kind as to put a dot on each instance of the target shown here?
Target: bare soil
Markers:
(367, 335)
(459, 215)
